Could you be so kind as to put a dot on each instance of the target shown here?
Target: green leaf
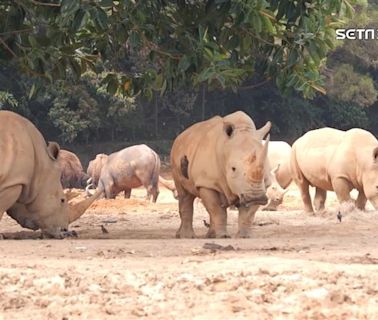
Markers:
(134, 39)
(102, 19)
(78, 20)
(313, 51)
(184, 64)
(112, 86)
(69, 7)
(257, 23)
(32, 91)
(76, 68)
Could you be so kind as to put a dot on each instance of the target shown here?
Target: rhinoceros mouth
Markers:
(252, 201)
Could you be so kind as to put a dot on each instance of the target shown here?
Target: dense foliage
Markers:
(161, 44)
(91, 71)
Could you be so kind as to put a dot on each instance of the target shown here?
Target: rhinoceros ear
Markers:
(275, 169)
(228, 128)
(375, 154)
(53, 150)
(263, 131)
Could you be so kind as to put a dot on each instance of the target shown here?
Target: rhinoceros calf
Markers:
(30, 187)
(73, 175)
(131, 168)
(95, 167)
(223, 162)
(339, 161)
(279, 159)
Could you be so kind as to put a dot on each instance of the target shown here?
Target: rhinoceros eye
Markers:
(233, 169)
(62, 200)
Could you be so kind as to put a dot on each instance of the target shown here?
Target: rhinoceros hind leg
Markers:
(186, 215)
(152, 193)
(320, 198)
(127, 193)
(218, 214)
(303, 186)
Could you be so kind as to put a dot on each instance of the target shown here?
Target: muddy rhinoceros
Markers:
(131, 168)
(73, 175)
(335, 160)
(95, 167)
(30, 187)
(279, 160)
(223, 162)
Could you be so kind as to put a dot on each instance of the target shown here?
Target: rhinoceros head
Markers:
(49, 210)
(275, 192)
(370, 179)
(245, 163)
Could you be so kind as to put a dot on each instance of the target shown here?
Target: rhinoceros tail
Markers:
(184, 166)
(296, 172)
(156, 172)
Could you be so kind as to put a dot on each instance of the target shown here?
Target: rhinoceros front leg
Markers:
(186, 215)
(214, 205)
(361, 200)
(245, 220)
(58, 233)
(320, 199)
(8, 197)
(342, 188)
(1, 216)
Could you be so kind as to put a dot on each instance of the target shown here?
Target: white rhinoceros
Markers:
(30, 186)
(223, 162)
(279, 160)
(339, 161)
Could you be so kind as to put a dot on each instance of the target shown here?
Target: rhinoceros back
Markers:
(132, 167)
(17, 151)
(313, 153)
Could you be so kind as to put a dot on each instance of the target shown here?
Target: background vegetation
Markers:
(92, 72)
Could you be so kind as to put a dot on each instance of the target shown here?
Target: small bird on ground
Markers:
(206, 224)
(339, 216)
(103, 229)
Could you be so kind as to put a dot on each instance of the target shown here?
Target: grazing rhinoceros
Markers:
(73, 175)
(339, 161)
(95, 167)
(223, 162)
(30, 187)
(130, 168)
(279, 159)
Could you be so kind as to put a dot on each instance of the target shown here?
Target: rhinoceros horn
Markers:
(263, 131)
(77, 210)
(264, 153)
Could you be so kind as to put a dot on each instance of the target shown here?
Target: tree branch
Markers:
(256, 85)
(15, 31)
(45, 4)
(8, 48)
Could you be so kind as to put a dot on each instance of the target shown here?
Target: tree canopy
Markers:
(163, 45)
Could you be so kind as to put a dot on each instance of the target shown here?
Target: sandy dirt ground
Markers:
(127, 264)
